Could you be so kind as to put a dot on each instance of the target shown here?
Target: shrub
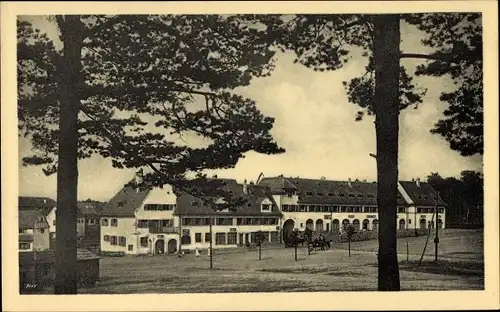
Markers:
(371, 235)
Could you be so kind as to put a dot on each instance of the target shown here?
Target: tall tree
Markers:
(122, 87)
(327, 42)
(463, 196)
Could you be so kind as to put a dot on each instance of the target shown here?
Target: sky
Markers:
(314, 122)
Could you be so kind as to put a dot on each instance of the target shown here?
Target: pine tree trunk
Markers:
(70, 69)
(386, 60)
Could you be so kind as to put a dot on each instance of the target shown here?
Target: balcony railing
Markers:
(163, 229)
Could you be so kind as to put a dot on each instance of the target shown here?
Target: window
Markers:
(130, 247)
(330, 194)
(144, 242)
(224, 221)
(285, 208)
(335, 209)
(231, 238)
(220, 238)
(303, 208)
(159, 207)
(114, 240)
(21, 231)
(194, 203)
(104, 222)
(401, 210)
(54, 222)
(309, 193)
(341, 195)
(24, 246)
(42, 231)
(320, 194)
(197, 237)
(324, 208)
(357, 209)
(207, 237)
(239, 221)
(167, 223)
(360, 195)
(317, 208)
(142, 224)
(106, 238)
(266, 207)
(114, 222)
(122, 241)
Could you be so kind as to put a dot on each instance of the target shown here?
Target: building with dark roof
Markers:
(158, 220)
(326, 205)
(33, 231)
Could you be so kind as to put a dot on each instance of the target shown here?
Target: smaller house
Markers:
(37, 269)
(46, 205)
(33, 231)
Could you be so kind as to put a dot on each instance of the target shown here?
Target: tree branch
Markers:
(426, 56)
(92, 31)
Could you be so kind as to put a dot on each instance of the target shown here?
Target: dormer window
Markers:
(309, 193)
(194, 203)
(330, 194)
(265, 208)
(351, 195)
(320, 194)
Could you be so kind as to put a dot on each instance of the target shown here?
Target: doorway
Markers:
(160, 247)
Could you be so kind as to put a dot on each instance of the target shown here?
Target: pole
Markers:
(407, 252)
(180, 235)
(436, 240)
(349, 242)
(211, 238)
(260, 246)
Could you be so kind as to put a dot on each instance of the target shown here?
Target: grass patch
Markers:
(445, 267)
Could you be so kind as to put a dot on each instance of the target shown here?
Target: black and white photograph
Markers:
(254, 152)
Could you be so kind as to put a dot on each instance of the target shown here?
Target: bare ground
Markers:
(460, 268)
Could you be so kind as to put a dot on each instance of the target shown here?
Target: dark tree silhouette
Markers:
(118, 74)
(326, 42)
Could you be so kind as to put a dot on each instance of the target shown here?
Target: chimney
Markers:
(323, 178)
(251, 183)
(214, 176)
(138, 179)
(349, 182)
(412, 179)
(245, 187)
(418, 182)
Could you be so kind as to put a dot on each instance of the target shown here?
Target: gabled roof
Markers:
(319, 191)
(125, 202)
(423, 195)
(89, 208)
(190, 205)
(30, 219)
(277, 185)
(45, 204)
